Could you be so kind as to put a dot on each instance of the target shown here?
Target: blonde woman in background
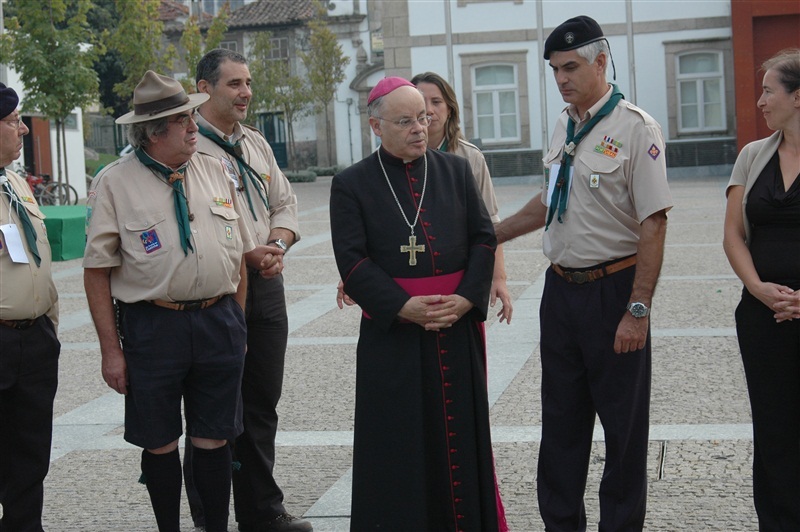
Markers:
(444, 134)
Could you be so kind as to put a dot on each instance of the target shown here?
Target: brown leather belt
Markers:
(185, 305)
(18, 324)
(587, 276)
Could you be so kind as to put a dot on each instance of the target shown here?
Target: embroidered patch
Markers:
(266, 177)
(27, 199)
(92, 194)
(229, 232)
(223, 202)
(150, 241)
(88, 216)
(654, 152)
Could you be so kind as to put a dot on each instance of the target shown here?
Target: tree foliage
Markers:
(193, 43)
(138, 41)
(53, 49)
(275, 87)
(325, 62)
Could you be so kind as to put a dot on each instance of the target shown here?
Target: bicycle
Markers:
(46, 191)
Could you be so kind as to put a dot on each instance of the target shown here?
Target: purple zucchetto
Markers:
(8, 101)
(387, 85)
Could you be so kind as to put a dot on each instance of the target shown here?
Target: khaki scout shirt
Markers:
(26, 291)
(132, 229)
(619, 179)
(477, 163)
(258, 154)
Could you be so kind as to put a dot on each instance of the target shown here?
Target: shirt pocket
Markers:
(552, 157)
(226, 226)
(37, 219)
(148, 236)
(599, 164)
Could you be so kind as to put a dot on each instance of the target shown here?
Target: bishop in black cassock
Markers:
(422, 457)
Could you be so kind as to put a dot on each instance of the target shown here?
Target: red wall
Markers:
(760, 29)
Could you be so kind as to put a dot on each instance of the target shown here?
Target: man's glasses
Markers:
(183, 119)
(405, 123)
(16, 123)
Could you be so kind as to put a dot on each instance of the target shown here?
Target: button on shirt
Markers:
(26, 291)
(257, 152)
(132, 229)
(619, 179)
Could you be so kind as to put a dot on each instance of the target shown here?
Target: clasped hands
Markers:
(435, 312)
(268, 260)
(779, 298)
(788, 305)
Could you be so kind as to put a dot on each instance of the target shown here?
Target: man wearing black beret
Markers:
(29, 349)
(603, 206)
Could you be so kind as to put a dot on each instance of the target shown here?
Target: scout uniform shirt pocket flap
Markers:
(149, 235)
(599, 164)
(226, 225)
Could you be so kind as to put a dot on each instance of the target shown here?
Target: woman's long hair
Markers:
(452, 131)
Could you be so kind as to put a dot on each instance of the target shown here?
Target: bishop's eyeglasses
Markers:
(405, 123)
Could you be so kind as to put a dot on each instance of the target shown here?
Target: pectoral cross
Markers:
(412, 249)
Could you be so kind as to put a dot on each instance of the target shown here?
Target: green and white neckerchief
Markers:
(175, 179)
(22, 212)
(561, 193)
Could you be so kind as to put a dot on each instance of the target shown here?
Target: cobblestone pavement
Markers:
(701, 444)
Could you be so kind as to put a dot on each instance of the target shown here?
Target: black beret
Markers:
(8, 100)
(573, 34)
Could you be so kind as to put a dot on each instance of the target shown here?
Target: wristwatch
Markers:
(278, 242)
(638, 309)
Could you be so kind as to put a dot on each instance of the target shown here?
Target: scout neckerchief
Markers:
(245, 170)
(22, 212)
(175, 180)
(561, 193)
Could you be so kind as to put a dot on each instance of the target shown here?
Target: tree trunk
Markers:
(59, 125)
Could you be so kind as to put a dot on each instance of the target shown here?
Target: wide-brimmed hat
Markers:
(157, 96)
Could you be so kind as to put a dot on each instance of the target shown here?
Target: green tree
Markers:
(275, 87)
(192, 42)
(138, 41)
(53, 50)
(325, 63)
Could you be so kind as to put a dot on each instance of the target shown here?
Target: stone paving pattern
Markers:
(700, 451)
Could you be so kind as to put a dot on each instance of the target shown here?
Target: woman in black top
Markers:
(762, 242)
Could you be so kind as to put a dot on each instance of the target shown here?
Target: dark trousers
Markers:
(256, 495)
(28, 382)
(583, 376)
(771, 357)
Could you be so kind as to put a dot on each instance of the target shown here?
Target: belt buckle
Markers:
(578, 277)
(192, 305)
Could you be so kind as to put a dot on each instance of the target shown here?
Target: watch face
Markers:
(638, 310)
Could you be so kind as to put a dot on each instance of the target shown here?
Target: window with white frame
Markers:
(496, 97)
(700, 80)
